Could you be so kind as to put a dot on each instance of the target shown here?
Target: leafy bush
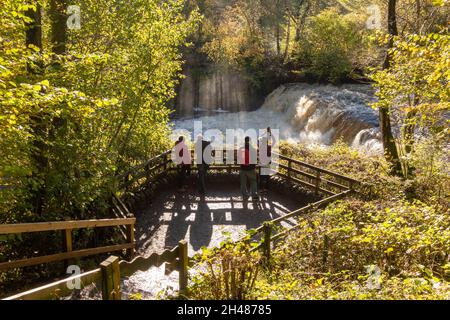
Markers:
(429, 182)
(329, 45)
(70, 122)
(81, 117)
(393, 246)
(229, 273)
(408, 243)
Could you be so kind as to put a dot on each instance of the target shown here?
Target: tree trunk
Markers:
(58, 18)
(297, 33)
(288, 40)
(390, 148)
(33, 36)
(278, 40)
(392, 30)
(410, 126)
(408, 131)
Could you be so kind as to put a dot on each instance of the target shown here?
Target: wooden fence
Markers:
(316, 179)
(107, 277)
(67, 227)
(146, 173)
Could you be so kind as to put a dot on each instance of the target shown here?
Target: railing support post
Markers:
(111, 279)
(351, 186)
(130, 239)
(317, 183)
(183, 266)
(68, 247)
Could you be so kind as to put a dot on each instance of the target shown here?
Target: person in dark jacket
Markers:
(184, 167)
(202, 164)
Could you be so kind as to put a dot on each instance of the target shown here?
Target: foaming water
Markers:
(310, 114)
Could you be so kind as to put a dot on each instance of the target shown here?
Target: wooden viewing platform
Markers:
(329, 185)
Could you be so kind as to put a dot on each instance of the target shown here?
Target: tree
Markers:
(329, 45)
(68, 128)
(416, 88)
(33, 34)
(58, 17)
(390, 148)
(37, 126)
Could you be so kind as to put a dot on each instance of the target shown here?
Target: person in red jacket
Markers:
(247, 171)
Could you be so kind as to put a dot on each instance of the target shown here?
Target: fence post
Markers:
(317, 182)
(130, 239)
(111, 279)
(68, 247)
(267, 240)
(183, 266)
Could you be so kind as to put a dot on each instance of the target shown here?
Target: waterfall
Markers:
(310, 114)
(214, 91)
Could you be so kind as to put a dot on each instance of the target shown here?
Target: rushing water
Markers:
(310, 114)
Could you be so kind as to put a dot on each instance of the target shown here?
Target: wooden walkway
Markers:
(174, 217)
(207, 221)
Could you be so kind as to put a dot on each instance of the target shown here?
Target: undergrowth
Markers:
(393, 245)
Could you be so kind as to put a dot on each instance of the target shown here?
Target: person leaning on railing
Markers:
(266, 141)
(184, 167)
(247, 172)
(202, 164)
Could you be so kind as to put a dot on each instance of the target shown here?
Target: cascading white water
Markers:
(311, 114)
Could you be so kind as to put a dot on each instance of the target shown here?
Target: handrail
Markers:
(63, 225)
(310, 166)
(150, 170)
(103, 276)
(309, 207)
(59, 288)
(143, 165)
(68, 227)
(141, 263)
